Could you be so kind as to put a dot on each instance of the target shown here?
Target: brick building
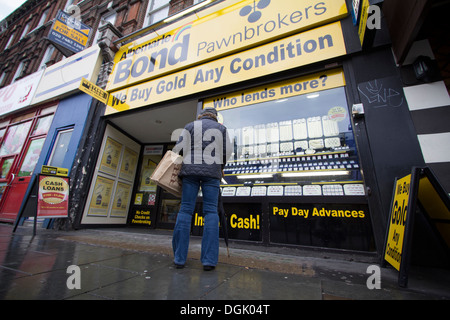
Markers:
(23, 34)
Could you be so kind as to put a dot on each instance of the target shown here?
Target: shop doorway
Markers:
(151, 205)
(22, 142)
(146, 204)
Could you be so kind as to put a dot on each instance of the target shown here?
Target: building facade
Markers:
(35, 98)
(325, 106)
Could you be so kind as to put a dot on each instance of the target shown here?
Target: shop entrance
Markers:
(152, 206)
(22, 140)
(142, 203)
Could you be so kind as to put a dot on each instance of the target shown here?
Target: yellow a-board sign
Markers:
(421, 193)
(397, 222)
(94, 91)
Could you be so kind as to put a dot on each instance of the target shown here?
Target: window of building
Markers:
(157, 10)
(60, 148)
(43, 18)
(2, 78)
(25, 31)
(47, 56)
(108, 18)
(69, 3)
(11, 37)
(19, 71)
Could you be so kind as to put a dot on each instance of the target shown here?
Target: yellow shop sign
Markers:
(312, 83)
(298, 50)
(231, 29)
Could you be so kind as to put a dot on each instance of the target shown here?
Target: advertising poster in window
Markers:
(121, 200)
(101, 197)
(128, 166)
(53, 197)
(111, 156)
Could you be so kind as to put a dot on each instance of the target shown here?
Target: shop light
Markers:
(313, 95)
(315, 173)
(188, 10)
(255, 176)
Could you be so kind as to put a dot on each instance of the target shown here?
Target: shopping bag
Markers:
(166, 173)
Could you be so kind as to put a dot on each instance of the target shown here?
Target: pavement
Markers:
(137, 264)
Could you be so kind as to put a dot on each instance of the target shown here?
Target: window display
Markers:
(299, 145)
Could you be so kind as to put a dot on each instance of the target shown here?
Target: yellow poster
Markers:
(128, 166)
(101, 197)
(121, 200)
(111, 156)
(397, 222)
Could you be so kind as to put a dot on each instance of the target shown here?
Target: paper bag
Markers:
(166, 173)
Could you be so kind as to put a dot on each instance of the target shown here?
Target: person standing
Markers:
(205, 147)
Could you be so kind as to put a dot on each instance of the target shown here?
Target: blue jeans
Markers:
(210, 239)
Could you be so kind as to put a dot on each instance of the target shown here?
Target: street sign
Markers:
(94, 91)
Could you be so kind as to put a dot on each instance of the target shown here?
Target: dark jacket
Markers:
(204, 145)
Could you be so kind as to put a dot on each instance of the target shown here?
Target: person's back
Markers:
(203, 144)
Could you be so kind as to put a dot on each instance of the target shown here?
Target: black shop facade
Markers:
(287, 81)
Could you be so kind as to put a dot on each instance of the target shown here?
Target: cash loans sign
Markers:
(248, 24)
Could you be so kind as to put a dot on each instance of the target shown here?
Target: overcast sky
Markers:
(8, 6)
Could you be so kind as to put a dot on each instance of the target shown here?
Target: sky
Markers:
(8, 6)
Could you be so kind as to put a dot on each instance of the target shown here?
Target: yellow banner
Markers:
(397, 223)
(235, 28)
(298, 50)
(312, 83)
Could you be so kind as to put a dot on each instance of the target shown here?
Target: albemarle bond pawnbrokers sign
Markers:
(305, 48)
(228, 30)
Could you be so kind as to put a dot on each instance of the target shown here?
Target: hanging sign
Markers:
(53, 197)
(94, 91)
(69, 32)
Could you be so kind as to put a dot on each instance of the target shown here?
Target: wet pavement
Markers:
(124, 264)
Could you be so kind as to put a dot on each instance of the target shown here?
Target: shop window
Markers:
(296, 145)
(60, 148)
(15, 138)
(42, 125)
(6, 167)
(31, 157)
